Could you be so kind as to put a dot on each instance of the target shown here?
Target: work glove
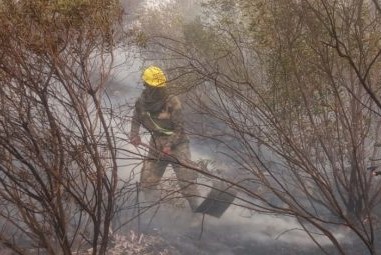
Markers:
(167, 150)
(135, 140)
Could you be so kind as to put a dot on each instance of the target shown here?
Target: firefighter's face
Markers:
(151, 89)
(148, 86)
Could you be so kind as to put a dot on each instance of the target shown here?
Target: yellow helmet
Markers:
(154, 77)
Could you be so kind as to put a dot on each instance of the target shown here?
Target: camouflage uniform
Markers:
(160, 114)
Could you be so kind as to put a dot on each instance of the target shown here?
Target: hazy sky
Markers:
(153, 3)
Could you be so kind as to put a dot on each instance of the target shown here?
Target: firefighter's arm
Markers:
(178, 121)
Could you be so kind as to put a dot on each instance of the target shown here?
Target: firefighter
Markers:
(160, 113)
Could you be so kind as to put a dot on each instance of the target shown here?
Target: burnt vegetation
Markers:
(285, 95)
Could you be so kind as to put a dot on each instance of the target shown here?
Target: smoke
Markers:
(238, 231)
(156, 3)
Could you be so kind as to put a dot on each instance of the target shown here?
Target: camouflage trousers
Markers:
(155, 164)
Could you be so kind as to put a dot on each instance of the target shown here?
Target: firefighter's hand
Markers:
(167, 150)
(135, 140)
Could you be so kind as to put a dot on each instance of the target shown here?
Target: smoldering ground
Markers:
(238, 231)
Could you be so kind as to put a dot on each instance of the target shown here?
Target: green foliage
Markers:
(43, 25)
(141, 39)
(205, 39)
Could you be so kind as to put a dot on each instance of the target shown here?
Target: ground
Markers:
(179, 232)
